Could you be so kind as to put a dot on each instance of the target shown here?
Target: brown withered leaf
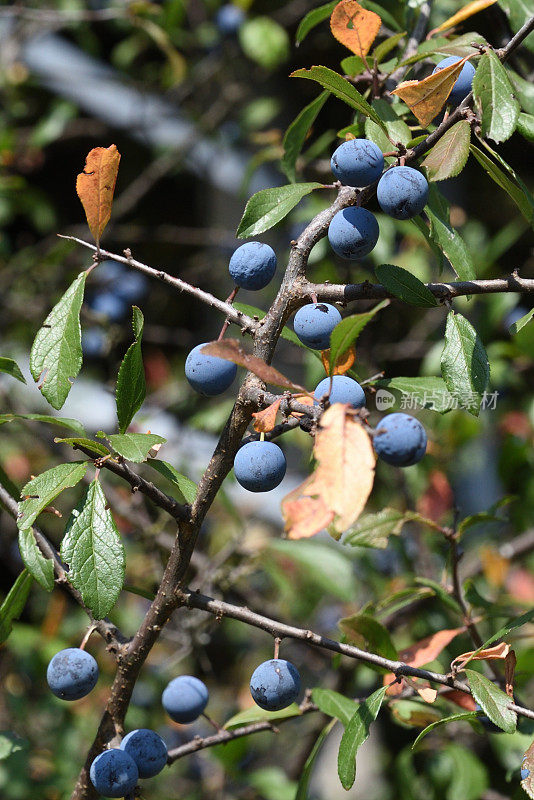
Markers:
(265, 420)
(354, 26)
(462, 699)
(496, 653)
(231, 350)
(509, 669)
(95, 187)
(464, 13)
(337, 491)
(343, 362)
(426, 98)
(421, 653)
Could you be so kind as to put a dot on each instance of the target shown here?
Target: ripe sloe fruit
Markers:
(253, 265)
(72, 673)
(463, 84)
(357, 162)
(229, 19)
(402, 192)
(344, 390)
(314, 323)
(208, 375)
(353, 232)
(185, 698)
(147, 749)
(275, 684)
(400, 440)
(114, 773)
(259, 466)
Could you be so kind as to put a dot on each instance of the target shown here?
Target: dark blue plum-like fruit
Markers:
(358, 162)
(208, 375)
(314, 323)
(259, 466)
(114, 773)
(253, 265)
(400, 440)
(229, 19)
(185, 698)
(464, 82)
(353, 232)
(147, 749)
(275, 684)
(72, 673)
(402, 192)
(344, 390)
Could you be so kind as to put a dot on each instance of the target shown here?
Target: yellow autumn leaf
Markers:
(427, 97)
(463, 14)
(343, 362)
(95, 187)
(354, 26)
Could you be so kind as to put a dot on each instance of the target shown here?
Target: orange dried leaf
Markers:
(354, 26)
(422, 653)
(231, 350)
(427, 694)
(95, 187)
(463, 14)
(265, 420)
(304, 515)
(495, 653)
(427, 97)
(343, 362)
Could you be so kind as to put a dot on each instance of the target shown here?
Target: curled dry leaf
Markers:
(337, 491)
(498, 652)
(231, 350)
(265, 420)
(463, 14)
(422, 653)
(343, 362)
(95, 187)
(354, 26)
(426, 98)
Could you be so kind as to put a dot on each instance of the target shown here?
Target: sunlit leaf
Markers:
(464, 13)
(426, 98)
(354, 26)
(95, 187)
(11, 367)
(449, 155)
(41, 491)
(494, 98)
(268, 206)
(464, 362)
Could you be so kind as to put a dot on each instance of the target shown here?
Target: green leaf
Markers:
(187, 487)
(269, 206)
(347, 331)
(385, 47)
(492, 701)
(524, 90)
(356, 732)
(394, 129)
(10, 743)
(264, 41)
(41, 568)
(93, 550)
(295, 135)
(362, 629)
(374, 530)
(413, 714)
(323, 564)
(334, 704)
(515, 327)
(257, 714)
(511, 625)
(98, 448)
(439, 591)
(379, 8)
(11, 367)
(449, 155)
(453, 246)
(313, 18)
(14, 603)
(131, 385)
(516, 192)
(41, 491)
(134, 446)
(342, 88)
(525, 126)
(354, 65)
(464, 362)
(56, 354)
(272, 783)
(305, 775)
(494, 98)
(64, 422)
(404, 285)
(427, 392)
(468, 716)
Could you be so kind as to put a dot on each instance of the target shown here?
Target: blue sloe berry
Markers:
(114, 773)
(353, 232)
(344, 390)
(229, 19)
(400, 440)
(208, 375)
(259, 466)
(402, 192)
(109, 305)
(72, 673)
(314, 323)
(463, 84)
(147, 749)
(358, 162)
(275, 684)
(185, 698)
(253, 265)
